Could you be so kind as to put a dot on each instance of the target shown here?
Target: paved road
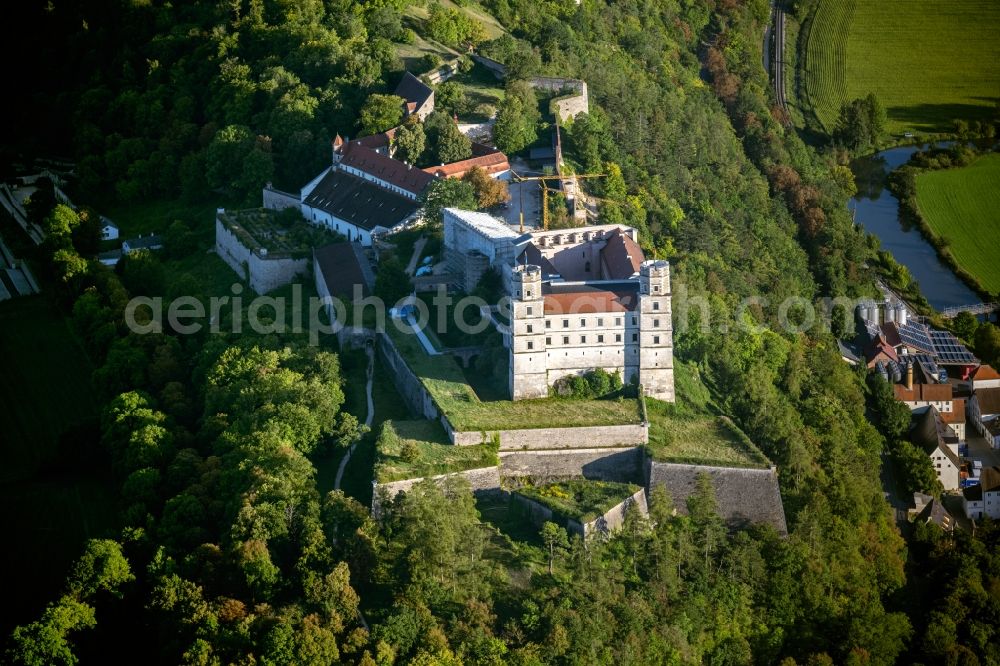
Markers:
(368, 419)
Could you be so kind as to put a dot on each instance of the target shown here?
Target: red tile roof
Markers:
(622, 256)
(880, 346)
(984, 372)
(923, 393)
(989, 401)
(490, 159)
(376, 141)
(891, 333)
(590, 301)
(385, 168)
(957, 413)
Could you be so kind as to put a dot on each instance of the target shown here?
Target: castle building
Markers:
(563, 328)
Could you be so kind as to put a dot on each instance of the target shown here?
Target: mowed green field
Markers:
(930, 62)
(963, 207)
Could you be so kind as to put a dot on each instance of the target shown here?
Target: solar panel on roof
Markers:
(916, 335)
(949, 349)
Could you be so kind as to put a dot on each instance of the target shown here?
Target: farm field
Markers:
(963, 207)
(928, 62)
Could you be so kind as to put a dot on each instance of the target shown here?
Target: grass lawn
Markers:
(581, 500)
(358, 474)
(415, 17)
(929, 62)
(430, 452)
(963, 207)
(698, 439)
(156, 215)
(447, 384)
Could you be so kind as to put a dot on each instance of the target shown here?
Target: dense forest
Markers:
(230, 555)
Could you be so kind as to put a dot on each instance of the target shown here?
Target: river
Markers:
(877, 210)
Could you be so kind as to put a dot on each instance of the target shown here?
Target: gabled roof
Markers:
(957, 413)
(973, 493)
(491, 160)
(988, 400)
(344, 265)
(983, 373)
(377, 141)
(923, 393)
(383, 167)
(360, 202)
(990, 479)
(935, 513)
(413, 90)
(914, 335)
(144, 242)
(532, 255)
(622, 256)
(880, 346)
(891, 333)
(928, 436)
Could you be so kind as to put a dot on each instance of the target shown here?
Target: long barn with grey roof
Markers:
(355, 207)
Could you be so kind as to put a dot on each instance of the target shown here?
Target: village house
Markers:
(920, 396)
(984, 413)
(983, 377)
(931, 435)
(928, 510)
(150, 242)
(983, 499)
(109, 230)
(418, 96)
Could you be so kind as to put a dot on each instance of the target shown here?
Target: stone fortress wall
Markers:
(574, 99)
(264, 273)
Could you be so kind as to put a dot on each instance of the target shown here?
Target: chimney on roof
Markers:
(909, 376)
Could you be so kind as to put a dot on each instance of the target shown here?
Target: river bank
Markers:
(878, 211)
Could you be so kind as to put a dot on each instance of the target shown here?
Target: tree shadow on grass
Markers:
(939, 117)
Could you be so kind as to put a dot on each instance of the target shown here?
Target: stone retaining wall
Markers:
(613, 519)
(482, 480)
(562, 438)
(278, 200)
(264, 273)
(408, 384)
(608, 464)
(745, 496)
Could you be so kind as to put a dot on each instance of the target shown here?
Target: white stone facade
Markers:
(546, 346)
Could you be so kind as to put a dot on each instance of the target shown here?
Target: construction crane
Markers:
(545, 195)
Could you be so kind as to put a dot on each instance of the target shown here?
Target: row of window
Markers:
(583, 339)
(583, 323)
(529, 311)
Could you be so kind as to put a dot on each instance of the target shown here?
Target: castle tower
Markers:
(656, 344)
(528, 373)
